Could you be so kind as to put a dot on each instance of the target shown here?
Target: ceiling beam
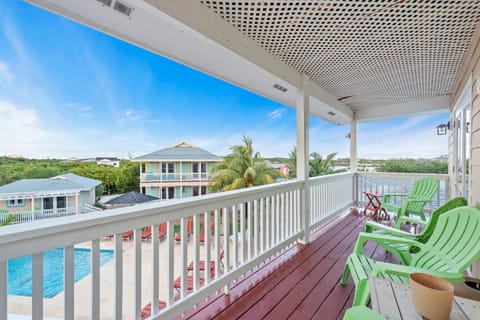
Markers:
(429, 106)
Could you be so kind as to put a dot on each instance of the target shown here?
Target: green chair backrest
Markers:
(424, 188)
(426, 233)
(454, 244)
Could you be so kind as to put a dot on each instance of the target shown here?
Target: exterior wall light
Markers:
(442, 129)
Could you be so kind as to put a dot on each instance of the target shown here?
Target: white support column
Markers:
(303, 154)
(181, 180)
(33, 208)
(76, 204)
(353, 145)
(54, 208)
(353, 157)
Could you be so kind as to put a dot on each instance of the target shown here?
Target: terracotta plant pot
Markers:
(432, 296)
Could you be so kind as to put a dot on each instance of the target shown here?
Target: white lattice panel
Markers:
(367, 53)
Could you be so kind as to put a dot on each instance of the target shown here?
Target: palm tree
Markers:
(243, 168)
(319, 166)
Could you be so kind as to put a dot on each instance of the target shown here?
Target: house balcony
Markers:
(175, 177)
(252, 236)
(43, 214)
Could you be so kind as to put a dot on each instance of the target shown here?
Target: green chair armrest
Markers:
(396, 194)
(405, 271)
(371, 226)
(361, 313)
(387, 196)
(403, 219)
(382, 238)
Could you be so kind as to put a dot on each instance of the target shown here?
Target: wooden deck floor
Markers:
(301, 283)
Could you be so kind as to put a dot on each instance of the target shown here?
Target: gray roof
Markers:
(180, 152)
(131, 198)
(64, 182)
(85, 182)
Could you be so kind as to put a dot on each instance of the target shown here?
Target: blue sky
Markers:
(69, 91)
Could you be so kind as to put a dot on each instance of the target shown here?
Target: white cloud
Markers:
(24, 133)
(135, 115)
(414, 138)
(81, 109)
(277, 113)
(6, 77)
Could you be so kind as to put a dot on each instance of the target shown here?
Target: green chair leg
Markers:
(346, 272)
(361, 313)
(362, 293)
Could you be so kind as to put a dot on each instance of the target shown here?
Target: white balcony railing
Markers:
(175, 177)
(329, 196)
(29, 215)
(243, 229)
(382, 182)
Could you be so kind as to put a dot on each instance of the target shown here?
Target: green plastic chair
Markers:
(403, 251)
(453, 246)
(422, 193)
(361, 313)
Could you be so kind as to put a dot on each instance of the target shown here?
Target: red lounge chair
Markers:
(178, 283)
(147, 233)
(201, 265)
(202, 234)
(127, 235)
(178, 237)
(162, 230)
(147, 310)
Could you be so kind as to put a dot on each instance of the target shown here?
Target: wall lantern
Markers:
(442, 129)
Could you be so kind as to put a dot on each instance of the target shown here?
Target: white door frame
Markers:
(458, 127)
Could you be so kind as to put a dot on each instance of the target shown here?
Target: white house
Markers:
(109, 161)
(31, 199)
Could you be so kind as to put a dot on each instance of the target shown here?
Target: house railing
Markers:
(329, 196)
(169, 177)
(29, 215)
(382, 182)
(240, 230)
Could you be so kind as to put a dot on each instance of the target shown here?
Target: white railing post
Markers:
(303, 155)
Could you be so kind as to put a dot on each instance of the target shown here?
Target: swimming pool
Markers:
(20, 271)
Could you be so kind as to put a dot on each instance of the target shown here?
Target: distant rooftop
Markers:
(131, 198)
(107, 158)
(180, 152)
(65, 182)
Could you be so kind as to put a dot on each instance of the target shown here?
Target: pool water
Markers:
(20, 271)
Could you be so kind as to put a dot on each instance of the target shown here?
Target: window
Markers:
(195, 191)
(47, 203)
(168, 167)
(61, 202)
(204, 167)
(204, 190)
(144, 191)
(16, 202)
(195, 167)
(143, 168)
(168, 193)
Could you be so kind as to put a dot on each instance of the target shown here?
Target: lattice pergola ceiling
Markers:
(366, 53)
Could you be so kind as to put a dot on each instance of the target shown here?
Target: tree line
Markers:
(123, 179)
